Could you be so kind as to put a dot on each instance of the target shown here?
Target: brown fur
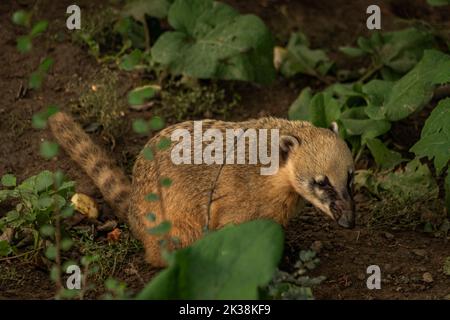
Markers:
(241, 193)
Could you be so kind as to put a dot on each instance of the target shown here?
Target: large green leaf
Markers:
(300, 108)
(435, 137)
(231, 263)
(356, 122)
(384, 157)
(412, 92)
(212, 40)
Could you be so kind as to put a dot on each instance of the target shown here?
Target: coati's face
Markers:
(321, 169)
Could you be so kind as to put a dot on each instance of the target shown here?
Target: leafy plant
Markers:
(393, 53)
(296, 285)
(211, 40)
(36, 199)
(218, 266)
(365, 111)
(434, 142)
(299, 58)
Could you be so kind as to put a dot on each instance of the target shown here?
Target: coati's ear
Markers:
(287, 144)
(334, 127)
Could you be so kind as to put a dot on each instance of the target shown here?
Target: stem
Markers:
(374, 69)
(358, 155)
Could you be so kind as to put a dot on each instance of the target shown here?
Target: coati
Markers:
(315, 165)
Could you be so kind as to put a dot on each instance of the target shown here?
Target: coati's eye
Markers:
(322, 183)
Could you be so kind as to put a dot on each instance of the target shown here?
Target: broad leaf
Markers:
(212, 40)
(412, 92)
(301, 59)
(435, 137)
(384, 157)
(231, 263)
(356, 122)
(300, 108)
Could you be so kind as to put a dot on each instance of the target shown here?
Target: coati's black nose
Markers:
(347, 217)
(347, 220)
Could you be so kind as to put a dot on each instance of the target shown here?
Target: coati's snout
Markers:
(344, 213)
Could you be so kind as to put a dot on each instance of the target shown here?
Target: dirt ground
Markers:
(404, 257)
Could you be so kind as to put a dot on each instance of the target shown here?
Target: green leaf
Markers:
(152, 197)
(232, 263)
(413, 183)
(50, 252)
(8, 180)
(24, 44)
(36, 79)
(43, 181)
(151, 217)
(155, 8)
(21, 18)
(5, 248)
(37, 76)
(156, 123)
(352, 52)
(166, 182)
(140, 126)
(412, 92)
(66, 244)
(139, 95)
(356, 122)
(384, 157)
(164, 143)
(67, 212)
(47, 230)
(301, 59)
(39, 120)
(49, 149)
(435, 137)
(438, 3)
(39, 28)
(160, 229)
(44, 203)
(211, 40)
(129, 61)
(324, 109)
(300, 108)
(148, 153)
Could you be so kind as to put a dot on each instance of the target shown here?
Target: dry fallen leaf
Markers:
(114, 235)
(279, 55)
(85, 205)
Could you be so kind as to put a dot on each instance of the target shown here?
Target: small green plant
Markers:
(296, 285)
(299, 58)
(35, 201)
(392, 53)
(25, 44)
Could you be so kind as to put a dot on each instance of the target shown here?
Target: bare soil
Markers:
(345, 255)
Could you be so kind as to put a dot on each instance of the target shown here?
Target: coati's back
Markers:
(112, 182)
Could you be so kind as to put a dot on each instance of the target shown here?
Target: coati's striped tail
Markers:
(112, 182)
